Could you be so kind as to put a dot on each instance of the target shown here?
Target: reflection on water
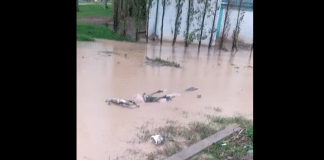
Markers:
(103, 130)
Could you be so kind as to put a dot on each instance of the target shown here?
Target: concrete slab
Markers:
(199, 146)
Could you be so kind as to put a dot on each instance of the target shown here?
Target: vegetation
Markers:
(87, 32)
(94, 11)
(226, 24)
(164, 4)
(178, 137)
(159, 61)
(190, 15)
(206, 9)
(178, 19)
(237, 29)
(149, 4)
(90, 31)
(213, 30)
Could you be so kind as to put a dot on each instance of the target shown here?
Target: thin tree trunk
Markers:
(226, 17)
(147, 18)
(156, 17)
(125, 7)
(137, 23)
(175, 24)
(163, 2)
(250, 53)
(188, 24)
(236, 28)
(202, 25)
(212, 32)
(116, 8)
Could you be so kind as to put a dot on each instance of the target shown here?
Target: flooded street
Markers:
(103, 131)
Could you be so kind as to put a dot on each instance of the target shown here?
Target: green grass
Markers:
(86, 32)
(89, 31)
(94, 11)
(82, 37)
(177, 136)
(237, 144)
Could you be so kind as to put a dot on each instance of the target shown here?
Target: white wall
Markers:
(246, 33)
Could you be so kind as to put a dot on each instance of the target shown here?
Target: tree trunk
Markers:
(125, 9)
(226, 17)
(116, 8)
(147, 18)
(212, 31)
(188, 23)
(163, 3)
(250, 53)
(156, 17)
(236, 29)
(175, 24)
(202, 25)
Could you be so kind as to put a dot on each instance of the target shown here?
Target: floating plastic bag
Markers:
(158, 139)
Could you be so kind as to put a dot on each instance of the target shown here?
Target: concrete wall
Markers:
(246, 33)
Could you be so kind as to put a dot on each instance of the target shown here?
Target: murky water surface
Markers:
(104, 130)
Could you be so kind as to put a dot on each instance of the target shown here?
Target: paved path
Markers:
(195, 148)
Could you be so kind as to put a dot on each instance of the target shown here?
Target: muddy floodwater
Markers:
(104, 131)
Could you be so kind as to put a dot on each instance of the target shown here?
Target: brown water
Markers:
(103, 130)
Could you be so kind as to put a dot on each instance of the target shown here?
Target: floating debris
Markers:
(191, 89)
(159, 61)
(124, 103)
(158, 139)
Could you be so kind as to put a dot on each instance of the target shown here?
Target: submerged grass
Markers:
(178, 137)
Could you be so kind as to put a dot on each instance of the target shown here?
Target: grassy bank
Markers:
(86, 32)
(95, 10)
(178, 137)
(89, 31)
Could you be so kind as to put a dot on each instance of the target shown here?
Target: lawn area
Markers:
(95, 10)
(85, 32)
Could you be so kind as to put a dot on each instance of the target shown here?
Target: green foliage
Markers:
(200, 11)
(190, 15)
(139, 11)
(82, 37)
(249, 133)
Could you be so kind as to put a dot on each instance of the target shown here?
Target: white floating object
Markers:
(158, 139)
